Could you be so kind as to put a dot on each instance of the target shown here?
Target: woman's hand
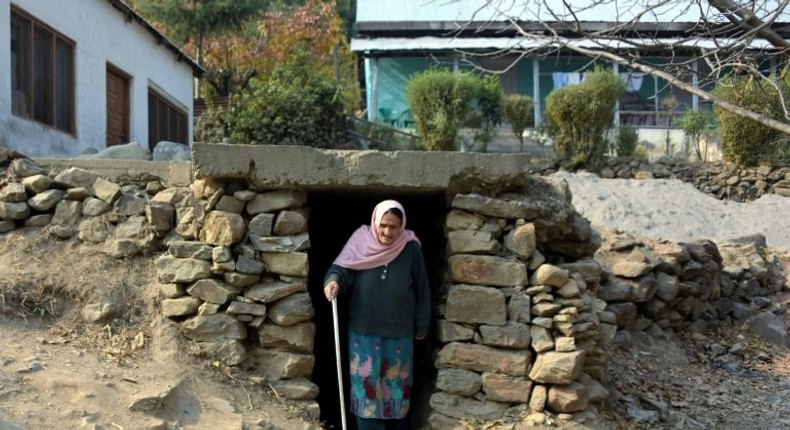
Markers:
(331, 289)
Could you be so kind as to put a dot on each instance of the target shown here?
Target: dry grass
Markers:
(52, 280)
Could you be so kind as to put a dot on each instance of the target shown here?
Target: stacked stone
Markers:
(238, 271)
(749, 279)
(660, 286)
(520, 335)
(721, 180)
(78, 202)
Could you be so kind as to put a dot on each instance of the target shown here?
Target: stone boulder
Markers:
(171, 151)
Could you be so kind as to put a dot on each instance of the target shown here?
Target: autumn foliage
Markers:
(312, 32)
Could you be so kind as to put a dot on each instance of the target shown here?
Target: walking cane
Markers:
(339, 364)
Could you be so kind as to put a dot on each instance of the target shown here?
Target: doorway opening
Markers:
(334, 215)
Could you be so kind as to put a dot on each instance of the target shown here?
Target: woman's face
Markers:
(388, 229)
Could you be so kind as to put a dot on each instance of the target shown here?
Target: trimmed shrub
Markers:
(439, 101)
(698, 124)
(442, 102)
(519, 112)
(579, 115)
(627, 138)
(640, 152)
(487, 114)
(745, 141)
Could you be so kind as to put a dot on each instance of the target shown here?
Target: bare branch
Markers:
(674, 81)
(740, 17)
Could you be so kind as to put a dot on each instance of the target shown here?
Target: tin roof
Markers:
(411, 25)
(430, 43)
(462, 11)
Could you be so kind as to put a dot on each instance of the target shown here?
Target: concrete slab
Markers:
(276, 166)
(174, 173)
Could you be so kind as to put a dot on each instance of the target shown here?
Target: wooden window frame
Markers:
(52, 104)
(166, 121)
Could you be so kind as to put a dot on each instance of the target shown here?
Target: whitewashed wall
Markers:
(102, 36)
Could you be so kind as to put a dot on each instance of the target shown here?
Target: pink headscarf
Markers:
(363, 249)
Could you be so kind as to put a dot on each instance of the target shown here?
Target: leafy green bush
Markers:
(744, 141)
(518, 110)
(488, 97)
(215, 124)
(698, 124)
(779, 149)
(439, 102)
(290, 107)
(627, 138)
(442, 102)
(579, 115)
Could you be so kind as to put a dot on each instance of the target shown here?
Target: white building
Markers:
(80, 74)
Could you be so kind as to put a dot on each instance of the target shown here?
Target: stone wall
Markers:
(215, 287)
(240, 270)
(532, 295)
(660, 286)
(519, 319)
(719, 179)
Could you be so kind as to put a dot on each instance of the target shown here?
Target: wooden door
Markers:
(117, 108)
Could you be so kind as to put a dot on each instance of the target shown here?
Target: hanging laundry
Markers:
(574, 78)
(633, 81)
(560, 79)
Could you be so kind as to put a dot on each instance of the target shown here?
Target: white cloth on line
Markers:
(633, 81)
(574, 78)
(560, 79)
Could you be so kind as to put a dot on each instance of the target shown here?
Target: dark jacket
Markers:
(392, 300)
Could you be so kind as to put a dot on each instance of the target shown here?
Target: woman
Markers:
(382, 266)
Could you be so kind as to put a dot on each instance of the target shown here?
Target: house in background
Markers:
(89, 74)
(399, 38)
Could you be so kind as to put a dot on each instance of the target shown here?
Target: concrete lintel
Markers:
(278, 166)
(174, 173)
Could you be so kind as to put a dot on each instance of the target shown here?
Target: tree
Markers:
(194, 20)
(699, 128)
(518, 112)
(314, 33)
(732, 28)
(232, 60)
(237, 40)
(191, 22)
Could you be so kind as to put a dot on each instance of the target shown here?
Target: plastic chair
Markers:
(388, 116)
(407, 119)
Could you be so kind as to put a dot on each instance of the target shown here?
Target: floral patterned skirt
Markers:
(381, 375)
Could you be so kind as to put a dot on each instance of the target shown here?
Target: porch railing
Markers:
(651, 118)
(373, 135)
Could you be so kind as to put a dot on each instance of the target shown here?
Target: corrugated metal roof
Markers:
(389, 44)
(548, 10)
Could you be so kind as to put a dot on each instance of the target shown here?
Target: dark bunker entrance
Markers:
(334, 215)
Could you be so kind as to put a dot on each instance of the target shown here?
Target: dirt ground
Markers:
(58, 372)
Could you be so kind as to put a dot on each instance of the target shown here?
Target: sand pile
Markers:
(674, 210)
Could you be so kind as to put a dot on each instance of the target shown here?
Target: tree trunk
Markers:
(199, 49)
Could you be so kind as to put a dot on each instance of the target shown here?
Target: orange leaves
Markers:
(314, 30)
